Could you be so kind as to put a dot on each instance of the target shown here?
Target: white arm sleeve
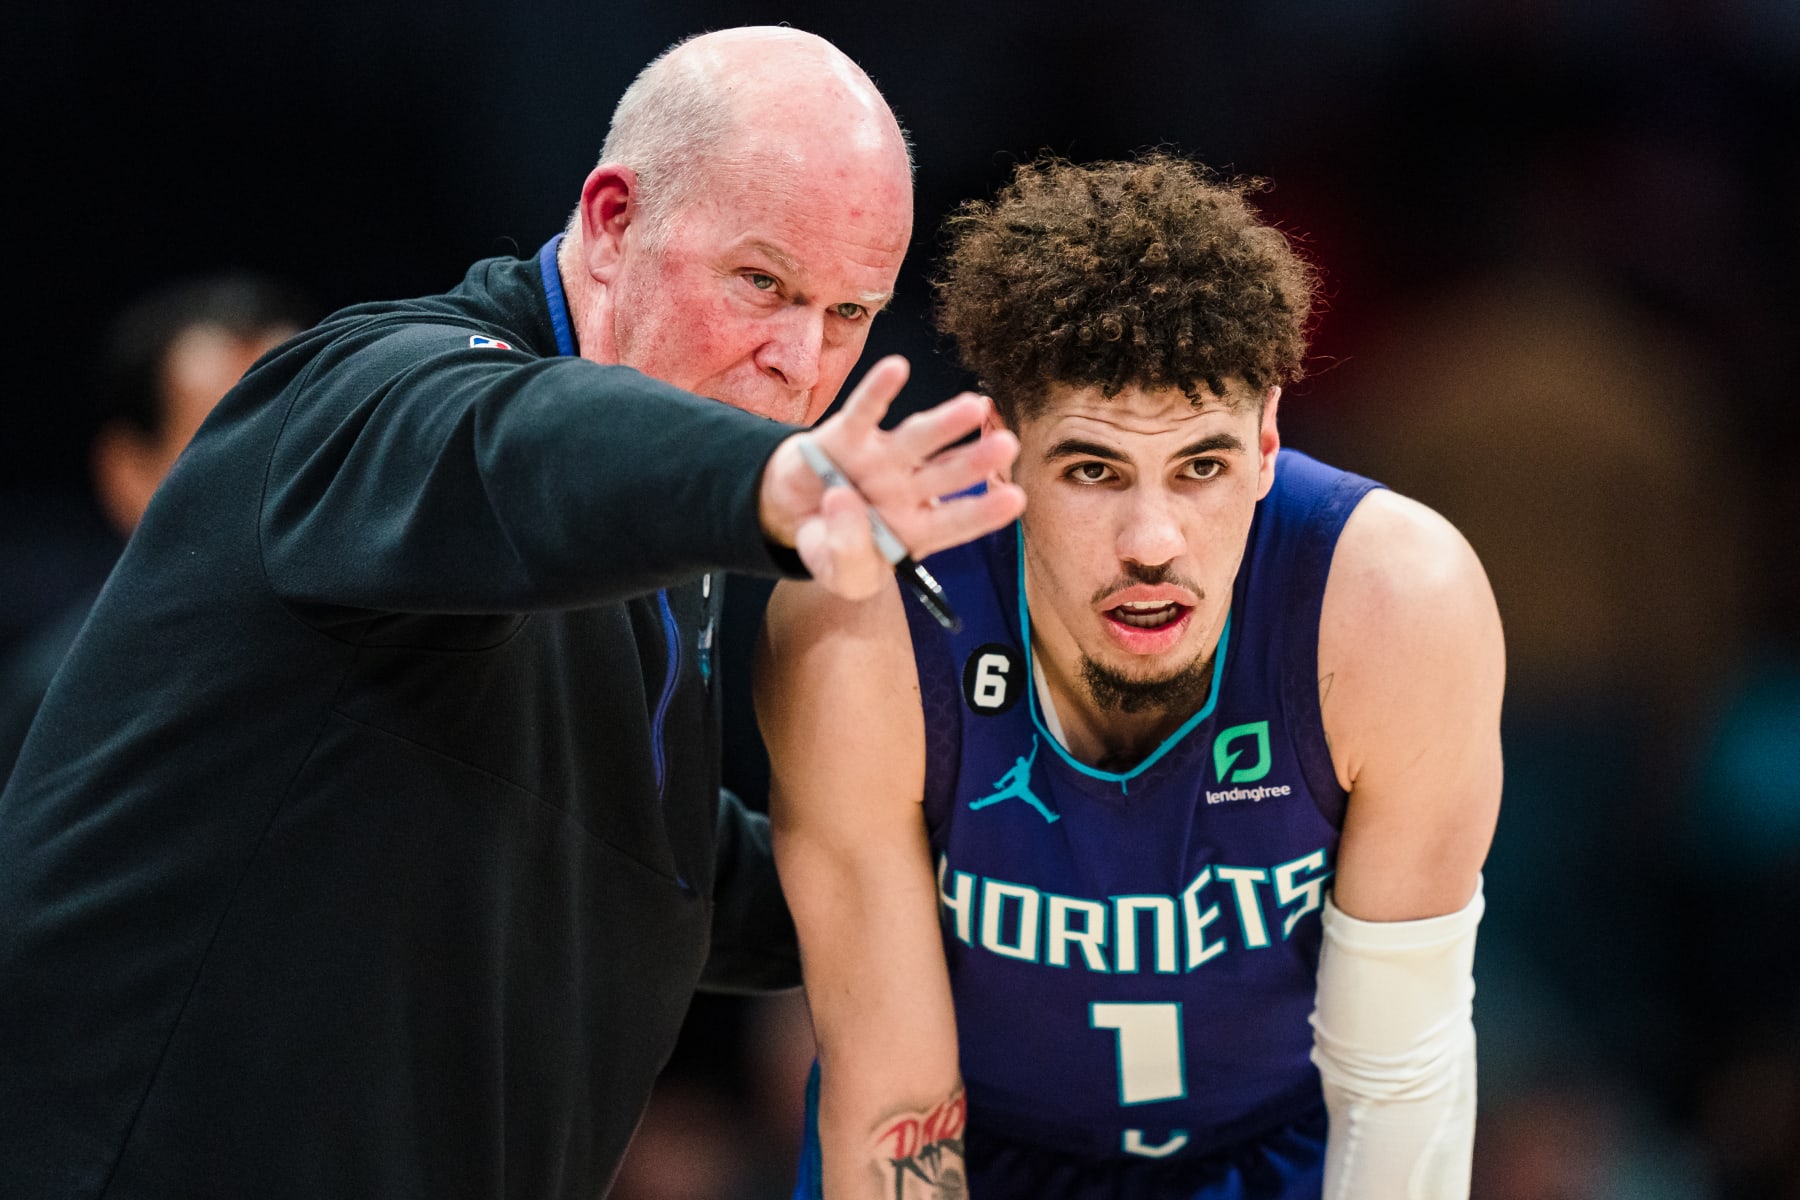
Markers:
(1395, 1048)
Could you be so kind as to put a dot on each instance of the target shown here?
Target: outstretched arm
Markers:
(409, 472)
(1411, 669)
(838, 700)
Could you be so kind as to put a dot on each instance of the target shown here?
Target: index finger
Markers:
(924, 434)
(868, 401)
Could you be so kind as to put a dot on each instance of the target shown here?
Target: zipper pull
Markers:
(706, 630)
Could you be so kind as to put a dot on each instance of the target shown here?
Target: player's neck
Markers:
(1104, 738)
(587, 302)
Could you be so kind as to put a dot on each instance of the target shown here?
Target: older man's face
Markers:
(763, 289)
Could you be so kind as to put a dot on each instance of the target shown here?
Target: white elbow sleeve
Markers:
(1395, 1048)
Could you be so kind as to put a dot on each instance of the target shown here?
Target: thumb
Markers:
(837, 546)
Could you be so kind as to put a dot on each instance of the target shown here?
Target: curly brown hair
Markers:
(1155, 273)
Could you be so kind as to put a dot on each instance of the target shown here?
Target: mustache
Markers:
(1133, 574)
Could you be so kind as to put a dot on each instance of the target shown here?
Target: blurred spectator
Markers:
(166, 361)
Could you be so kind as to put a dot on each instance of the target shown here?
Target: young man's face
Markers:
(1138, 509)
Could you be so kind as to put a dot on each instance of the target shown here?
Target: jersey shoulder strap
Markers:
(1279, 597)
(980, 581)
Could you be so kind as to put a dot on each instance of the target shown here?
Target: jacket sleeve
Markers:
(413, 473)
(754, 947)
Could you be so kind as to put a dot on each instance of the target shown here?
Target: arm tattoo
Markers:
(924, 1152)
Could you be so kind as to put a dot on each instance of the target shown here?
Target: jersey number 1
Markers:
(1150, 1063)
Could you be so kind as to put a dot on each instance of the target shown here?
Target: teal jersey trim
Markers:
(1037, 718)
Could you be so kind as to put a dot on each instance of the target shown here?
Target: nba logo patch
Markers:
(477, 342)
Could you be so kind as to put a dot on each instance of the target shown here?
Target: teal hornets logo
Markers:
(1016, 785)
(1225, 756)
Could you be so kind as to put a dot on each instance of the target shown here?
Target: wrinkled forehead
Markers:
(1134, 408)
(844, 207)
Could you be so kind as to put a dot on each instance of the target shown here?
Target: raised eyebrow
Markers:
(782, 262)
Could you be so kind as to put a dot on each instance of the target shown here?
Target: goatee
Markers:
(1182, 693)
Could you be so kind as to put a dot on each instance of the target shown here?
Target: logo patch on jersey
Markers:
(1225, 757)
(993, 679)
(1016, 785)
(478, 342)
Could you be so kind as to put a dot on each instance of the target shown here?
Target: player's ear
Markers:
(1268, 442)
(610, 203)
(993, 423)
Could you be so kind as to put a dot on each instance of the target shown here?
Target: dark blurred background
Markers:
(1561, 244)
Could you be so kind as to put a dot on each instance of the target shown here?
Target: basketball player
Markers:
(1171, 856)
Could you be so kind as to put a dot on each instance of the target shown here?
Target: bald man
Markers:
(370, 843)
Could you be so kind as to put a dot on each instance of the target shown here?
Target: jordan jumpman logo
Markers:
(1016, 784)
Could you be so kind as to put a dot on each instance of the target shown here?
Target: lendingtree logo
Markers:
(1225, 757)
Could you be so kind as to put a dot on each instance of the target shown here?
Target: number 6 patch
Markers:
(993, 679)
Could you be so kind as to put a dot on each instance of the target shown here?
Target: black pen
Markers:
(916, 578)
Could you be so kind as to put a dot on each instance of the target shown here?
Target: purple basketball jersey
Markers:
(1133, 955)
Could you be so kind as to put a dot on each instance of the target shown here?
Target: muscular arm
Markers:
(1412, 666)
(838, 700)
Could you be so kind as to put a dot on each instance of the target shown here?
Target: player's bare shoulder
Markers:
(1398, 562)
(1409, 623)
